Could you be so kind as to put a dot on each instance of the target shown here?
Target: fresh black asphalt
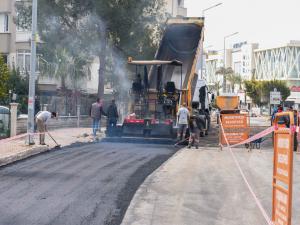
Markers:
(89, 184)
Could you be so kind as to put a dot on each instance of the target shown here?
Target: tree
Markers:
(4, 76)
(91, 26)
(225, 72)
(216, 87)
(280, 85)
(253, 90)
(18, 84)
(234, 79)
(259, 91)
(67, 67)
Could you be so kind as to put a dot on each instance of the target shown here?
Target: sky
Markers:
(267, 22)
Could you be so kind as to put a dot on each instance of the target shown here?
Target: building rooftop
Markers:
(292, 43)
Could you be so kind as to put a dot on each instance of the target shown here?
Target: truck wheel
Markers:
(206, 133)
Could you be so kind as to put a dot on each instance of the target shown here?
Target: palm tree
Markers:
(225, 72)
(79, 68)
(235, 79)
(216, 87)
(65, 66)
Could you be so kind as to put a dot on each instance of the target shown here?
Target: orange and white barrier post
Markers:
(283, 172)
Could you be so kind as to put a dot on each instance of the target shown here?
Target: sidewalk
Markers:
(13, 150)
(204, 187)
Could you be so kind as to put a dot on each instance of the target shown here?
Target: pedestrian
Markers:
(276, 110)
(96, 112)
(112, 116)
(295, 115)
(194, 128)
(183, 118)
(42, 119)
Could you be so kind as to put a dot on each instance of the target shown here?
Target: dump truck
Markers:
(228, 103)
(161, 85)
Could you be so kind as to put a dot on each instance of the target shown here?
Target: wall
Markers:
(61, 122)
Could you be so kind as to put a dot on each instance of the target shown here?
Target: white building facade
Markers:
(248, 60)
(175, 8)
(240, 58)
(280, 63)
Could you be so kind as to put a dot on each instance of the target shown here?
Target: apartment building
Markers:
(176, 8)
(7, 30)
(14, 41)
(241, 58)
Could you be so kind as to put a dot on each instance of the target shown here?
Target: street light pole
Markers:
(211, 7)
(224, 58)
(202, 38)
(32, 78)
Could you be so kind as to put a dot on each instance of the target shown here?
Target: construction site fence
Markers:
(61, 122)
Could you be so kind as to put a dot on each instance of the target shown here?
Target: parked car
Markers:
(4, 122)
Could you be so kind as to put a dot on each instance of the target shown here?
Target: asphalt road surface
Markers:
(90, 184)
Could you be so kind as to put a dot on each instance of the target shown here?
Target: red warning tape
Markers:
(259, 205)
(254, 137)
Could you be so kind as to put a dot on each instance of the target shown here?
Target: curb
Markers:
(144, 184)
(22, 155)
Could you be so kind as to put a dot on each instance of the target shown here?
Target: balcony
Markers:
(5, 42)
(23, 36)
(5, 6)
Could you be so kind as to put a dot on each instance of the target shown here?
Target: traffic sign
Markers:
(275, 97)
(236, 128)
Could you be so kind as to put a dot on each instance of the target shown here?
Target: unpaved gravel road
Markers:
(90, 184)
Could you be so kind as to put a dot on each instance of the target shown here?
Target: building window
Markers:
(3, 23)
(23, 60)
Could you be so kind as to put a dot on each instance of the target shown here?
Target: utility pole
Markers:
(32, 78)
(209, 8)
(224, 58)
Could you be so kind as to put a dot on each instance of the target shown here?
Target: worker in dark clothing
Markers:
(112, 117)
(96, 111)
(290, 109)
(194, 128)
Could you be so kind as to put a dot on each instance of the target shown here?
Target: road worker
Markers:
(42, 119)
(194, 128)
(112, 117)
(183, 118)
(96, 112)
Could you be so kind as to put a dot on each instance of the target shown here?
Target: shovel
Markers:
(58, 146)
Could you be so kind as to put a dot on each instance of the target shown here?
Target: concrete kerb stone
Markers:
(35, 150)
(129, 213)
(23, 155)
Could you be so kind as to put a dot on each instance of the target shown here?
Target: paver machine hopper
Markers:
(171, 81)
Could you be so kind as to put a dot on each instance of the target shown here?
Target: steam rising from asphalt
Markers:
(85, 40)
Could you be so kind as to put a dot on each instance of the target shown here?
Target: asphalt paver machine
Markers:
(161, 85)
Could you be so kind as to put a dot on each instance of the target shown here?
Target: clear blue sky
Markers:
(268, 22)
